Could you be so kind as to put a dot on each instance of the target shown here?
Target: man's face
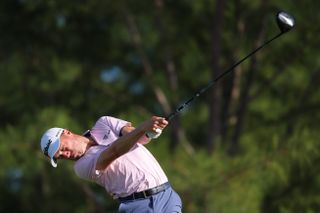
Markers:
(72, 146)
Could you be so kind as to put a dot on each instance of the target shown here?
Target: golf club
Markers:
(285, 23)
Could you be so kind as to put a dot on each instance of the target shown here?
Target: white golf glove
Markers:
(154, 135)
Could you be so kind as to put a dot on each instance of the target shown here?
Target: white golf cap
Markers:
(50, 143)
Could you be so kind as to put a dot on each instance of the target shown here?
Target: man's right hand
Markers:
(154, 124)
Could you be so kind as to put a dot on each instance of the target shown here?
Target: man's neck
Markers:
(91, 142)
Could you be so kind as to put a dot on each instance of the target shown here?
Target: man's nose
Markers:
(66, 154)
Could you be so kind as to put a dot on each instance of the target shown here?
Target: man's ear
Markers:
(67, 132)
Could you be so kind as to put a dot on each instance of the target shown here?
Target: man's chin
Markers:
(76, 157)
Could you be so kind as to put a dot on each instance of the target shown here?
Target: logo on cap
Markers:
(46, 148)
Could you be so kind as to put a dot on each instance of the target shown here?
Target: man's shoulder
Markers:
(105, 120)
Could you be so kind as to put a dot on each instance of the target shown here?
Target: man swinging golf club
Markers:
(112, 154)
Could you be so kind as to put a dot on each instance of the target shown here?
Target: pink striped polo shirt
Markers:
(132, 172)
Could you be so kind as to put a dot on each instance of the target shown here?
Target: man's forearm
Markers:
(118, 148)
(127, 141)
(127, 129)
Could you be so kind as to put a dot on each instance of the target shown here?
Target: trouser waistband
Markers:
(145, 194)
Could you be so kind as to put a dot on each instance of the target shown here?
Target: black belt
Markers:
(145, 194)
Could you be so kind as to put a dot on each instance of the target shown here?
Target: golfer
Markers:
(112, 154)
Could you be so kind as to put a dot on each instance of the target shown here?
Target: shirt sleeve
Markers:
(107, 130)
(118, 124)
(115, 124)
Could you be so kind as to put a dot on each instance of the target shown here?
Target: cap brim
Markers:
(54, 162)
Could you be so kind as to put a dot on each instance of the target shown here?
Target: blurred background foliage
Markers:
(250, 144)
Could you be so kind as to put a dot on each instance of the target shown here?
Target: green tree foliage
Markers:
(65, 63)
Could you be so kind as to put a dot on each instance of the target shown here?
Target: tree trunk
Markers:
(214, 131)
(244, 95)
(148, 70)
(171, 73)
(232, 87)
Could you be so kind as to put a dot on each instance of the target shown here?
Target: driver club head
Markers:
(285, 21)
